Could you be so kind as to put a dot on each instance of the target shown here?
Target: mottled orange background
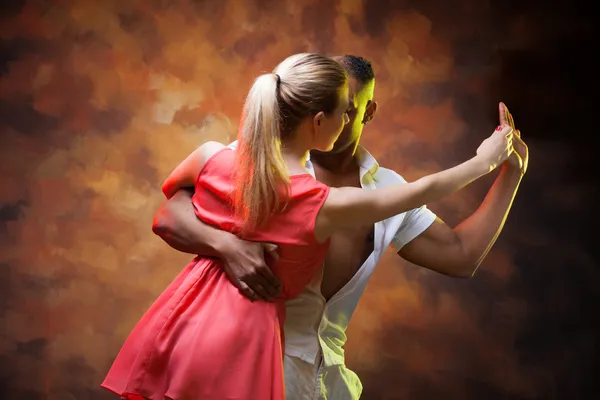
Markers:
(99, 100)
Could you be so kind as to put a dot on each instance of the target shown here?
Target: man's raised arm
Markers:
(458, 252)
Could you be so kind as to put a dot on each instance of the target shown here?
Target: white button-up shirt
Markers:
(313, 324)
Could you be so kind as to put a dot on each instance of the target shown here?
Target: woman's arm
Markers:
(350, 206)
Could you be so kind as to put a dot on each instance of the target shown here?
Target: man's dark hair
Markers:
(357, 68)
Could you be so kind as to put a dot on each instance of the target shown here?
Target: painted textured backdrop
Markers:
(99, 100)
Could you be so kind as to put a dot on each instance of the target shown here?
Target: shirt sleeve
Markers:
(415, 222)
(233, 145)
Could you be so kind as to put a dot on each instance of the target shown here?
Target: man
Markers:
(317, 319)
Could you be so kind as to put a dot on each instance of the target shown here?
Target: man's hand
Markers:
(245, 266)
(243, 262)
(519, 159)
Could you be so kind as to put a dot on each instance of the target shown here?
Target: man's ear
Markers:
(370, 112)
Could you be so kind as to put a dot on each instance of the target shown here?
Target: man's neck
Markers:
(337, 163)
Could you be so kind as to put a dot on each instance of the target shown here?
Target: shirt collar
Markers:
(367, 162)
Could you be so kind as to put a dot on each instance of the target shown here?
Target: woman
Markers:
(202, 339)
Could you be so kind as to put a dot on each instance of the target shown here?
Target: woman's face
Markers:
(329, 127)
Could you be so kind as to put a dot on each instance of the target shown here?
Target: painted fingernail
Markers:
(499, 128)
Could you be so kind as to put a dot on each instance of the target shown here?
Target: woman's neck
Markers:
(296, 147)
(295, 158)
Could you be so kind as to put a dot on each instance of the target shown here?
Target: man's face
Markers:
(359, 98)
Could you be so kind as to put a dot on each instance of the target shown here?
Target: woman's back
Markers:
(203, 339)
(300, 255)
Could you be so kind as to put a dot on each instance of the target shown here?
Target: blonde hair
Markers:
(299, 87)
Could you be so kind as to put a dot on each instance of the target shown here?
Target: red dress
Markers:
(203, 340)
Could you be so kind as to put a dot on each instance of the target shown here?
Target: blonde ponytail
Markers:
(301, 86)
(262, 176)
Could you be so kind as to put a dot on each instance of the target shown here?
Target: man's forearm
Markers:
(479, 232)
(176, 223)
